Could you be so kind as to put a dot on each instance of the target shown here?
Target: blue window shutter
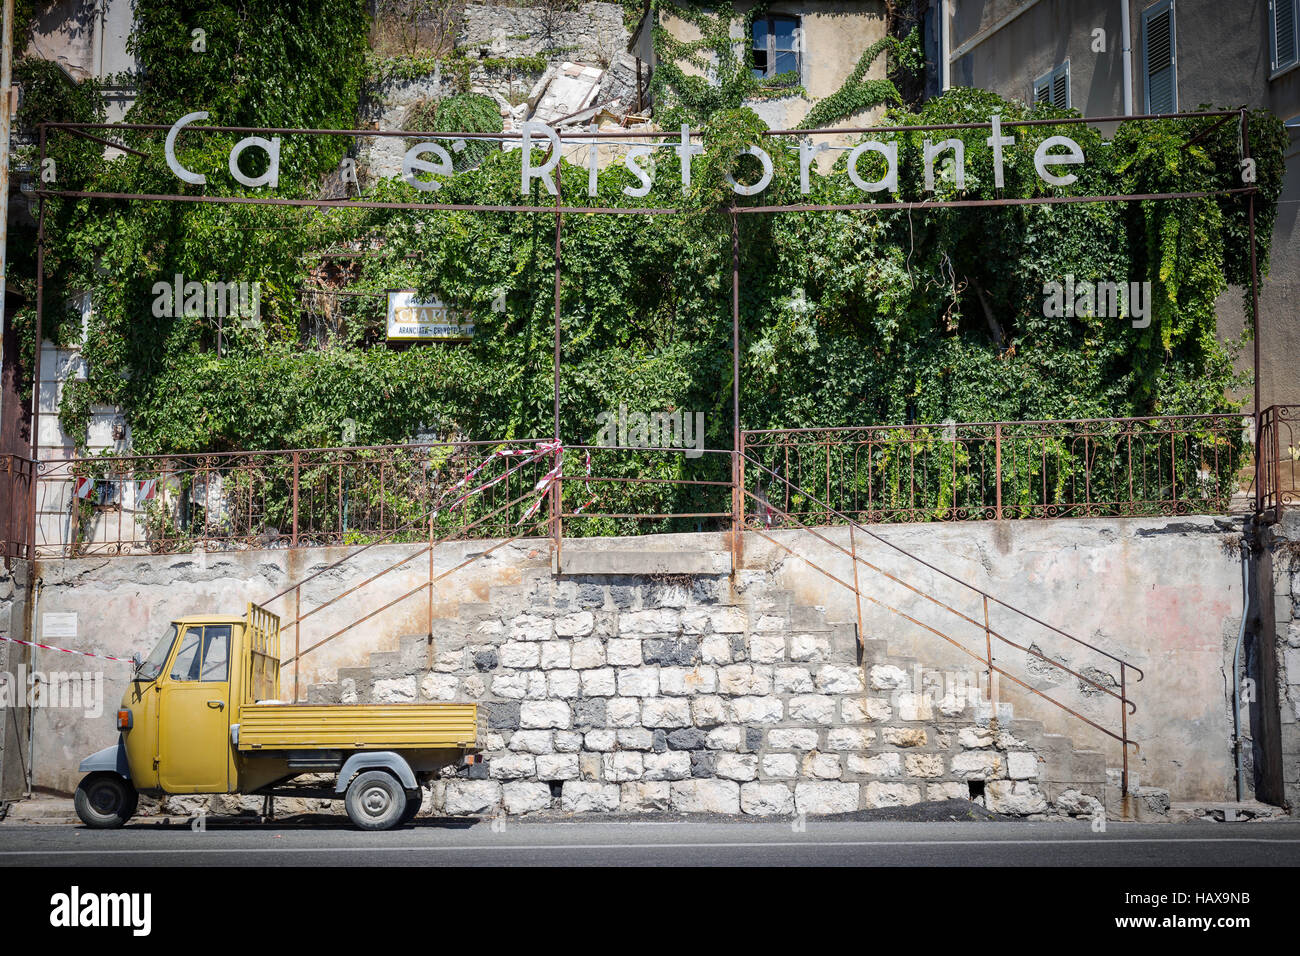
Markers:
(1282, 33)
(1160, 63)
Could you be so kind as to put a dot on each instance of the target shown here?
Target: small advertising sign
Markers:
(410, 319)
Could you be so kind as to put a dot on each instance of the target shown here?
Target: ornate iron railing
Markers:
(278, 499)
(1002, 470)
(877, 474)
(1279, 450)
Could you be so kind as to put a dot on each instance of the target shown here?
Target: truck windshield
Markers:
(152, 665)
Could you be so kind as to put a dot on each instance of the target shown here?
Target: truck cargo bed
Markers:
(358, 727)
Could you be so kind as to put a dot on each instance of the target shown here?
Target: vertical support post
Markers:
(293, 538)
(297, 636)
(6, 80)
(1275, 461)
(735, 392)
(429, 602)
(997, 467)
(988, 650)
(1254, 319)
(556, 499)
(857, 590)
(40, 312)
(1123, 726)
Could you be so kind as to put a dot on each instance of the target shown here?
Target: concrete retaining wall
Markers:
(1163, 594)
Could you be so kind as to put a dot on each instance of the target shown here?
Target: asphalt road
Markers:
(588, 843)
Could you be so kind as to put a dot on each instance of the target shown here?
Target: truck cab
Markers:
(202, 715)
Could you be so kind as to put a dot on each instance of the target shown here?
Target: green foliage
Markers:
(857, 93)
(253, 73)
(695, 81)
(851, 317)
(468, 113)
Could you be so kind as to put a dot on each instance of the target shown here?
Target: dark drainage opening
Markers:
(976, 788)
(557, 786)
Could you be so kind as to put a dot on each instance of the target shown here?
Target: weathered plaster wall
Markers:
(1286, 611)
(15, 609)
(1165, 594)
(1223, 60)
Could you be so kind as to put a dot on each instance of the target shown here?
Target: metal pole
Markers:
(6, 82)
(735, 390)
(297, 636)
(1123, 724)
(557, 498)
(36, 376)
(857, 588)
(293, 540)
(988, 649)
(1254, 318)
(997, 466)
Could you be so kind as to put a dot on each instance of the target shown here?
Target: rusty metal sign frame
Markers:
(559, 210)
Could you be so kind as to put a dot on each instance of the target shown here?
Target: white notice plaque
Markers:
(431, 320)
(59, 624)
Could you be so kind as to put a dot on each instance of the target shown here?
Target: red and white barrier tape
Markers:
(51, 647)
(541, 488)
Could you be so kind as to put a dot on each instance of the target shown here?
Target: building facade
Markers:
(1130, 57)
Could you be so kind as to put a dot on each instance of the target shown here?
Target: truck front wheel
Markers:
(105, 801)
(375, 800)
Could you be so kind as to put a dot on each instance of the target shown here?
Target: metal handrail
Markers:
(1127, 706)
(885, 541)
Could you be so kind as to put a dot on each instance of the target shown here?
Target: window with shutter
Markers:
(1282, 33)
(1054, 87)
(1159, 58)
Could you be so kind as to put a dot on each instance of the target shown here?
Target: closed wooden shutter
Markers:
(1159, 58)
(1283, 33)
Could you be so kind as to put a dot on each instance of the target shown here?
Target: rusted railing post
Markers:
(857, 590)
(293, 538)
(297, 636)
(1123, 728)
(429, 604)
(997, 467)
(1275, 480)
(737, 505)
(556, 503)
(988, 650)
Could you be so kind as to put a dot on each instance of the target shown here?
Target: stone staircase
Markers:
(688, 693)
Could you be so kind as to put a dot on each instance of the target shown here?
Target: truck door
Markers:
(193, 713)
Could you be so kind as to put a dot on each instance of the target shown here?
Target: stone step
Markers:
(1088, 765)
(1074, 781)
(577, 559)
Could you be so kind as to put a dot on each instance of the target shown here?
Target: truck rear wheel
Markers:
(105, 801)
(375, 800)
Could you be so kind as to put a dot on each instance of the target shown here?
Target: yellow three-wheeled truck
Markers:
(203, 715)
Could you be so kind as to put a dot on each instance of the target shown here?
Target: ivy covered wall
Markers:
(847, 318)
